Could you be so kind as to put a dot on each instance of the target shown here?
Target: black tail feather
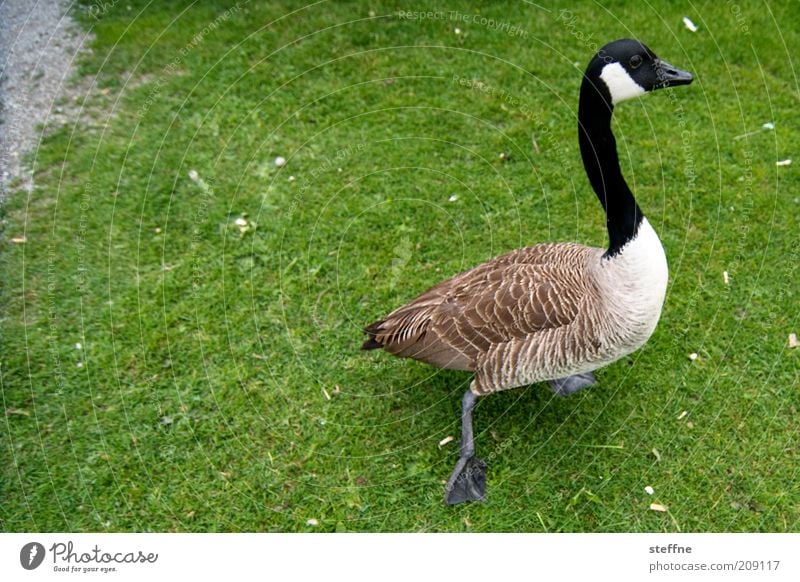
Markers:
(372, 331)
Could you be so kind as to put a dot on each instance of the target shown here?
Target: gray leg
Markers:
(571, 384)
(468, 481)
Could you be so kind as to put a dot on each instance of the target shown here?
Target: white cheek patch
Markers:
(620, 84)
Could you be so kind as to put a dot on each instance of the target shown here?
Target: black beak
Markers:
(669, 76)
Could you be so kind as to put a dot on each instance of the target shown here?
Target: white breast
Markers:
(635, 283)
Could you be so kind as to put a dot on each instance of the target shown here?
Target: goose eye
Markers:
(636, 60)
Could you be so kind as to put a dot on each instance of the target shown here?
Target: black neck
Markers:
(599, 153)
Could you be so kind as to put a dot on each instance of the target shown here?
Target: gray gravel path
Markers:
(38, 45)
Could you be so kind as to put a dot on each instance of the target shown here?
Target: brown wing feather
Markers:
(510, 297)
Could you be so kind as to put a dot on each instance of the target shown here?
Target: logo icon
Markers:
(31, 555)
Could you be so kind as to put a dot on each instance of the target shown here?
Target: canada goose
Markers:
(554, 311)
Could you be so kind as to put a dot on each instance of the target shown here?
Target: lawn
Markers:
(181, 328)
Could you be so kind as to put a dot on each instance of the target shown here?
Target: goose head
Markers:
(626, 68)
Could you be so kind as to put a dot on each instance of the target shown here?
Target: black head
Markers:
(626, 68)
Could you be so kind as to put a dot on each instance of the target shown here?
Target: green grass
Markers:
(207, 352)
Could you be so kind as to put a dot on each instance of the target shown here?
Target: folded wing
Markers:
(514, 296)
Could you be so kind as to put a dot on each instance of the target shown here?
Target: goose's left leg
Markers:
(468, 481)
(571, 384)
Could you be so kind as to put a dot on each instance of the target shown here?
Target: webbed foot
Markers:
(571, 384)
(468, 481)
